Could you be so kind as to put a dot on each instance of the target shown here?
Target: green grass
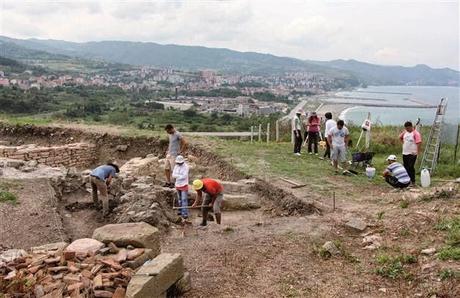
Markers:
(277, 160)
(394, 267)
(451, 251)
(404, 204)
(6, 196)
(449, 274)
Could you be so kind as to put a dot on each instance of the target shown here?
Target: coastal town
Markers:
(206, 91)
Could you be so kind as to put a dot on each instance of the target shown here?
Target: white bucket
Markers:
(370, 172)
(425, 178)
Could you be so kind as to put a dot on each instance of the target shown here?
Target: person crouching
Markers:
(214, 196)
(395, 174)
(180, 174)
(101, 177)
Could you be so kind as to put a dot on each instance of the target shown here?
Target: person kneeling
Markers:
(214, 196)
(395, 174)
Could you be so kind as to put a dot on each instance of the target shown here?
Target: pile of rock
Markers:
(122, 260)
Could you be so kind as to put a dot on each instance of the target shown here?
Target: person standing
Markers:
(395, 174)
(177, 146)
(101, 177)
(338, 138)
(213, 198)
(297, 131)
(328, 124)
(313, 133)
(412, 141)
(180, 174)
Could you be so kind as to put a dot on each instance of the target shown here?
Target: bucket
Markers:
(425, 178)
(370, 172)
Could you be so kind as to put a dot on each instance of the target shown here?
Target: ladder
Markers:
(433, 145)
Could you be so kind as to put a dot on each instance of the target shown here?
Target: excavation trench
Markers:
(57, 205)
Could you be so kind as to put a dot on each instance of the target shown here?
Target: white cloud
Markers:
(386, 32)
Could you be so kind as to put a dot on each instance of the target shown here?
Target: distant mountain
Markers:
(398, 75)
(195, 58)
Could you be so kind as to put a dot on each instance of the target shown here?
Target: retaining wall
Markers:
(71, 155)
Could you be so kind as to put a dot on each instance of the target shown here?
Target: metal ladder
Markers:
(431, 153)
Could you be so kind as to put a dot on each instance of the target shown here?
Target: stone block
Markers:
(85, 246)
(356, 224)
(55, 247)
(155, 277)
(137, 234)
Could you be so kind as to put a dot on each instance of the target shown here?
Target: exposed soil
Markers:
(34, 220)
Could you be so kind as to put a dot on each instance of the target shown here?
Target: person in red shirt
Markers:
(214, 196)
(313, 127)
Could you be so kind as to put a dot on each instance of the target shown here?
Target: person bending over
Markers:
(213, 197)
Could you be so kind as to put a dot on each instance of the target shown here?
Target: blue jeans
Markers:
(182, 196)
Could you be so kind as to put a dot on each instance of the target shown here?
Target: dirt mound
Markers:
(285, 203)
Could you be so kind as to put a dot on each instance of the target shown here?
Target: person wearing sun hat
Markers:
(297, 132)
(213, 198)
(395, 174)
(180, 174)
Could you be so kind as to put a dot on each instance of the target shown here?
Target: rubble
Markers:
(331, 248)
(89, 268)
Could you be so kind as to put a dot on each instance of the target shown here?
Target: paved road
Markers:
(294, 110)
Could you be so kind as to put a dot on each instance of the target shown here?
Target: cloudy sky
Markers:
(405, 32)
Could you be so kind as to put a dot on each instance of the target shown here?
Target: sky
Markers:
(403, 32)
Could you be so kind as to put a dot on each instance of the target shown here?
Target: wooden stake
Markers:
(268, 132)
(252, 133)
(260, 132)
(456, 146)
(277, 131)
(333, 201)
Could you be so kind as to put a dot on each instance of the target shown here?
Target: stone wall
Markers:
(71, 155)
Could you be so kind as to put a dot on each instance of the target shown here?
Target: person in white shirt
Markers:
(337, 138)
(329, 124)
(180, 173)
(412, 142)
(297, 131)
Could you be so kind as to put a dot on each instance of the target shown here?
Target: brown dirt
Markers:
(34, 220)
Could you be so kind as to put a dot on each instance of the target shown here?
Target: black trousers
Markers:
(313, 141)
(395, 183)
(297, 141)
(327, 153)
(409, 163)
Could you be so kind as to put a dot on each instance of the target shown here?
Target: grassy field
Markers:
(277, 160)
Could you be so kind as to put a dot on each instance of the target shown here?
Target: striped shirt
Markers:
(399, 172)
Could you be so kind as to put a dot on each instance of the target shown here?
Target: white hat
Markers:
(392, 157)
(180, 159)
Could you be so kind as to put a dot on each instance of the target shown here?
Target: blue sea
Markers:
(402, 95)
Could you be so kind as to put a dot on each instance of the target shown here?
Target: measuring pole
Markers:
(268, 132)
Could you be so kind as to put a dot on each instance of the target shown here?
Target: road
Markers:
(294, 110)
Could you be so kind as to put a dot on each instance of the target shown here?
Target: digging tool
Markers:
(190, 207)
(294, 184)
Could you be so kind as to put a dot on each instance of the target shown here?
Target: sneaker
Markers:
(316, 154)
(298, 154)
(310, 153)
(322, 158)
